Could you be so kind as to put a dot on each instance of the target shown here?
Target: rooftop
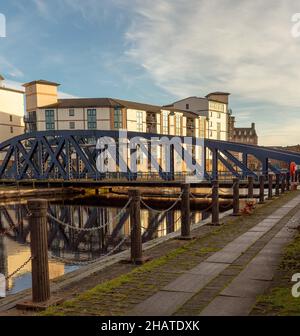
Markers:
(41, 81)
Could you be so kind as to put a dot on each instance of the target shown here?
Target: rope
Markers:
(87, 262)
(19, 268)
(162, 211)
(93, 228)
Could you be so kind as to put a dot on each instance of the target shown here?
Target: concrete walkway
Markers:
(213, 287)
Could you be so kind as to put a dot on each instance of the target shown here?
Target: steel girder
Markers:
(72, 154)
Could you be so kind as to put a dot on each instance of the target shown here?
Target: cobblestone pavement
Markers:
(193, 278)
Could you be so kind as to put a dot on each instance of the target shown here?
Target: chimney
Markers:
(40, 93)
(253, 126)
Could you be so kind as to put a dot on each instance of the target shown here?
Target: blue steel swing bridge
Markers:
(71, 156)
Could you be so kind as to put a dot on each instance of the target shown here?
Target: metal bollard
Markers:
(215, 203)
(185, 212)
(39, 250)
(236, 197)
(277, 185)
(261, 189)
(270, 186)
(136, 230)
(250, 186)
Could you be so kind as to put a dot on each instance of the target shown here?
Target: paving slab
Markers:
(228, 306)
(209, 268)
(259, 272)
(163, 303)
(224, 257)
(244, 287)
(189, 283)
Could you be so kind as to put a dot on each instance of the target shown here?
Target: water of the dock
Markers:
(221, 272)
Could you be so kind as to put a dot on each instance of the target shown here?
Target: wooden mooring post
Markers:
(236, 197)
(250, 186)
(270, 186)
(277, 185)
(288, 181)
(39, 254)
(215, 203)
(185, 213)
(282, 183)
(136, 256)
(261, 189)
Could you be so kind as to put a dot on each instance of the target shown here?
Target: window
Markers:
(72, 125)
(187, 106)
(219, 115)
(219, 131)
(49, 116)
(118, 118)
(91, 119)
(177, 125)
(10, 118)
(11, 129)
(71, 112)
(139, 121)
(165, 123)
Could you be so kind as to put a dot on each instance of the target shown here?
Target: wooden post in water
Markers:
(136, 230)
(261, 189)
(277, 185)
(270, 186)
(215, 203)
(185, 212)
(39, 250)
(250, 186)
(236, 197)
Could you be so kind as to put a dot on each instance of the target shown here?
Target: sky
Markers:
(159, 51)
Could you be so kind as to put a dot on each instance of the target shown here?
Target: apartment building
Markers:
(213, 108)
(246, 135)
(11, 111)
(45, 111)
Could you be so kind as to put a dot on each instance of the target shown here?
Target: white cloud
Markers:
(10, 69)
(244, 47)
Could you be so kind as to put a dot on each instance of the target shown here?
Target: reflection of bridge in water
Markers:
(69, 243)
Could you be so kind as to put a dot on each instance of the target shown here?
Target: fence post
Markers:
(185, 212)
(215, 203)
(236, 197)
(136, 230)
(39, 250)
(250, 186)
(277, 185)
(270, 186)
